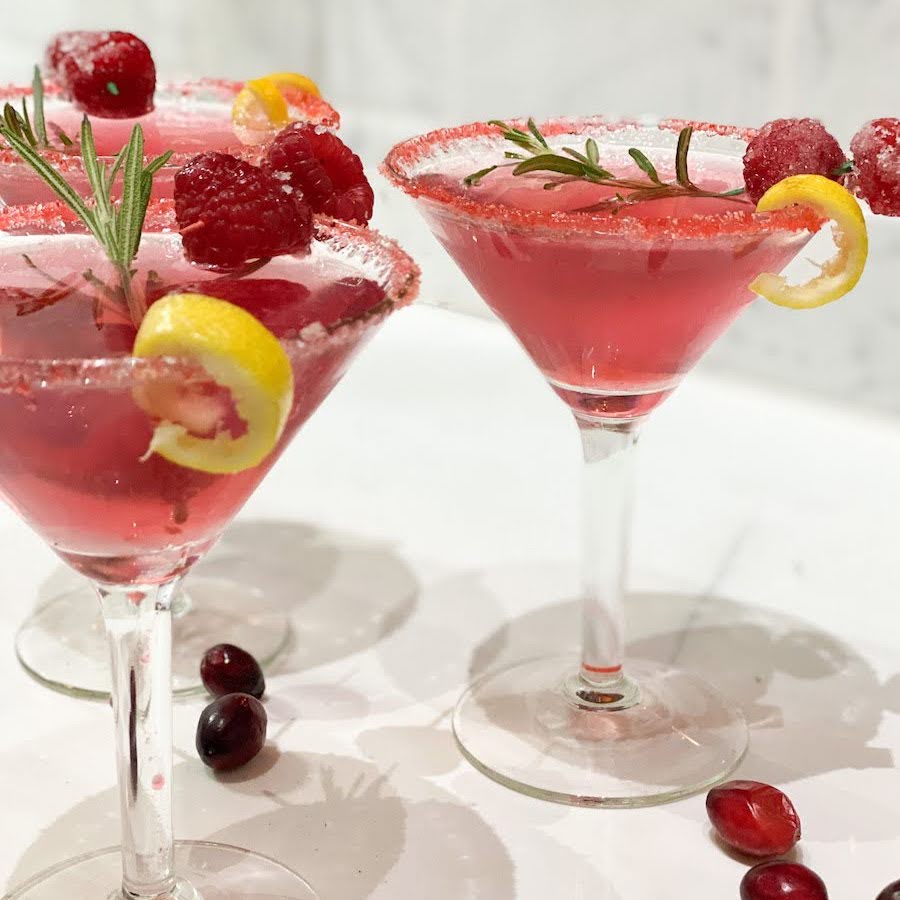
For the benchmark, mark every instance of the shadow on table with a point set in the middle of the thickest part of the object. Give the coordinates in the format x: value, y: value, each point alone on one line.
x: 813, y: 703
x: 336, y: 820
x: 342, y: 593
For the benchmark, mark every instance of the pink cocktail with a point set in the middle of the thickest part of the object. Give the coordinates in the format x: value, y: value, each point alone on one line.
x: 614, y: 296
x: 74, y: 437
x: 188, y: 118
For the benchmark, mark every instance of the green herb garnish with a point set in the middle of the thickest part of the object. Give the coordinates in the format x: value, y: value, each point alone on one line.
x: 117, y: 226
x: 576, y: 165
x: 20, y: 123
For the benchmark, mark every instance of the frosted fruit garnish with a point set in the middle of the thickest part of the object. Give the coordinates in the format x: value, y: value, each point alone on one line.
x: 843, y: 270
x: 267, y: 104
x: 876, y: 153
x: 241, y: 355
x: 785, y: 147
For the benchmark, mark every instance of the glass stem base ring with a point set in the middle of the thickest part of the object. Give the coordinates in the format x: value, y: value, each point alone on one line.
x: 63, y: 643
x: 206, y: 871
x: 523, y: 727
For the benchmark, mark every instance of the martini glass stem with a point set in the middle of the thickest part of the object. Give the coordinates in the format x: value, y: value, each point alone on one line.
x: 609, y: 451
x: 139, y: 629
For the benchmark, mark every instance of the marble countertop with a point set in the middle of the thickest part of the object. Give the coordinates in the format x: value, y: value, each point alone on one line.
x: 423, y: 529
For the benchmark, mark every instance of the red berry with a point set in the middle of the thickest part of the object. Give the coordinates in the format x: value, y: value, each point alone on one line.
x: 753, y: 817
x: 230, y: 212
x: 231, y: 731
x: 790, y: 147
x: 780, y: 880
x: 876, y: 152
x: 324, y: 168
x: 106, y: 73
x: 891, y: 892
x: 347, y: 299
x: 226, y: 669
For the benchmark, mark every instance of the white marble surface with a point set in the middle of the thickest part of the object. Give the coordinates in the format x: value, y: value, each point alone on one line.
x: 397, y: 67
x: 426, y: 520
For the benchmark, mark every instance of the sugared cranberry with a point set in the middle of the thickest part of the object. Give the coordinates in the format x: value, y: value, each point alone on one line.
x: 231, y: 731
x: 321, y: 166
x: 787, y: 147
x: 753, y: 817
x: 226, y: 669
x: 106, y: 73
x: 229, y: 212
x: 780, y: 880
x: 876, y: 153
x: 891, y: 892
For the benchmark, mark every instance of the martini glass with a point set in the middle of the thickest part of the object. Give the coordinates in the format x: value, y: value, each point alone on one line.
x: 71, y: 441
x: 614, y: 305
x: 63, y: 643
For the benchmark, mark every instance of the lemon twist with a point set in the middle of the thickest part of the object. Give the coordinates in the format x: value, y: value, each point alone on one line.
x: 842, y: 271
x: 240, y: 354
x: 263, y: 103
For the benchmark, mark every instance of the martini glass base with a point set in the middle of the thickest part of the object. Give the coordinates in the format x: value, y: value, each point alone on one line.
x: 206, y: 871
x: 63, y: 643
x: 523, y: 726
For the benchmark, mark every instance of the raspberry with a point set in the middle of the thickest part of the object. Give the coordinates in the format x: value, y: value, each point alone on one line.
x: 347, y: 299
x: 325, y: 169
x: 279, y: 304
x: 230, y: 212
x: 106, y: 73
x: 876, y: 152
x: 786, y: 147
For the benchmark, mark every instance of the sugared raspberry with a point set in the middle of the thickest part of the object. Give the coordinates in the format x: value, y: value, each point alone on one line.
x: 324, y: 168
x: 787, y: 147
x: 230, y: 212
x: 876, y: 152
x: 106, y: 73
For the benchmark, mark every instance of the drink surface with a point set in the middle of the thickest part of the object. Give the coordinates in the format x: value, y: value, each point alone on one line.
x: 186, y: 121
x: 613, y: 314
x: 72, y: 437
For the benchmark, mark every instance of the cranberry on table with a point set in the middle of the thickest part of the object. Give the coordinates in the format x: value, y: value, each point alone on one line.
x: 891, y: 892
x: 231, y: 731
x: 227, y: 669
x: 781, y: 880
x: 754, y: 818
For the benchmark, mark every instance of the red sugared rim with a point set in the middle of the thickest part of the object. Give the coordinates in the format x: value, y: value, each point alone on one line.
x: 399, y: 278
x: 401, y: 164
x: 212, y: 92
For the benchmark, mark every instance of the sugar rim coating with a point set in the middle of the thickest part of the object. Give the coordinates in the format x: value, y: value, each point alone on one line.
x: 210, y: 92
x: 401, y: 163
x: 355, y: 244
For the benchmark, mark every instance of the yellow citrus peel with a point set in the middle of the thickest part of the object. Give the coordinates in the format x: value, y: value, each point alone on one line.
x: 241, y: 355
x: 264, y: 103
x: 843, y: 270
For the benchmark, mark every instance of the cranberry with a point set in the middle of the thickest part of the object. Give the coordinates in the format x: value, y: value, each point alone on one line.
x: 891, y: 892
x: 226, y: 669
x: 781, y: 880
x: 753, y: 817
x: 231, y: 731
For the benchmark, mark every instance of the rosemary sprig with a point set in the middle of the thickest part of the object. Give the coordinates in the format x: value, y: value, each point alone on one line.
x: 21, y: 122
x: 116, y: 226
x: 576, y: 165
